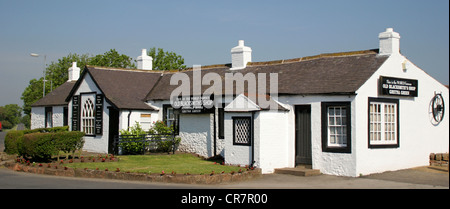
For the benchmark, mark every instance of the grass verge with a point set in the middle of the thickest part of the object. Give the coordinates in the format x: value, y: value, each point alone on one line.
x: 178, y: 163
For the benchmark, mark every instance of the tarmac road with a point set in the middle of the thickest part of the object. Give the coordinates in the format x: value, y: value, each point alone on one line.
x: 405, y: 179
x: 423, y: 178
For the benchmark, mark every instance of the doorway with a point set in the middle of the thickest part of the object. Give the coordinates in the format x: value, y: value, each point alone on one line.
x: 303, y: 153
x: 113, y: 128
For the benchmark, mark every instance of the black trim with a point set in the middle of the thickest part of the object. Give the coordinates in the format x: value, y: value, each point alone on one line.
x: 176, y: 125
x: 384, y: 100
x: 250, y: 140
x: 325, y: 147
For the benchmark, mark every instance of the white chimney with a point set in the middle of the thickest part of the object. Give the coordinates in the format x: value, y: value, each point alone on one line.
x: 144, y: 62
x: 74, y: 72
x: 389, y: 42
x: 240, y: 56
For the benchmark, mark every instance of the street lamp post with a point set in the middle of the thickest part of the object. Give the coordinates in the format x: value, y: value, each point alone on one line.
x: 45, y: 59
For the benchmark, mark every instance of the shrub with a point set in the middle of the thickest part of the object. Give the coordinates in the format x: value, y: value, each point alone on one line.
x: 41, y: 146
x: 12, y: 142
x: 129, y: 137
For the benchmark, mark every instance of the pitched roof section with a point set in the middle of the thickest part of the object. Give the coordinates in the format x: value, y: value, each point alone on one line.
x: 123, y: 88
x: 335, y: 73
x: 57, y: 97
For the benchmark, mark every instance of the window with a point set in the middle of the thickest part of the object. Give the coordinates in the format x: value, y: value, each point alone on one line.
x: 88, y: 115
x: 171, y: 117
x: 336, y: 133
x: 242, y: 127
x: 221, y: 120
x: 383, y: 123
x: 146, y: 121
x: 48, y: 117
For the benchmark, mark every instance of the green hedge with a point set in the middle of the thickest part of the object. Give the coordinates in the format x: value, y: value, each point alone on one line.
x: 41, y: 144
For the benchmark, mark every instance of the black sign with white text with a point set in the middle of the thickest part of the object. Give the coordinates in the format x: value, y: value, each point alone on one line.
x: 194, y: 104
x: 398, y: 86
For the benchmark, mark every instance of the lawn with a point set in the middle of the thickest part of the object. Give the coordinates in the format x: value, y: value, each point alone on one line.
x: 178, y: 163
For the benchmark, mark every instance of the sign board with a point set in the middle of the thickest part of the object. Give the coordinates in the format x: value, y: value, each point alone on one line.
x: 398, y: 86
x: 194, y: 104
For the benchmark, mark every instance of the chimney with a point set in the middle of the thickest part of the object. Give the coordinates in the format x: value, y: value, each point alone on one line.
x: 74, y: 72
x: 389, y: 42
x: 240, y: 56
x: 144, y: 62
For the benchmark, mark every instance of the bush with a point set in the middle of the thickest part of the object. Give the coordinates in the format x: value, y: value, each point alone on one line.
x: 136, y: 133
x: 41, y: 144
x: 13, y: 140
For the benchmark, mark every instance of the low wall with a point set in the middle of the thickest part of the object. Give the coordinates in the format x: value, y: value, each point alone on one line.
x: 166, y: 178
x: 439, y: 159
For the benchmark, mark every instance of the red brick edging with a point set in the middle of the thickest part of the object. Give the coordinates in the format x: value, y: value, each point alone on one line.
x: 166, y: 178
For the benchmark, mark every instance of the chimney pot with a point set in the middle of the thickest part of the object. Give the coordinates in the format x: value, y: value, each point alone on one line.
x: 144, y: 62
x: 240, y: 56
x: 389, y: 42
x: 74, y: 72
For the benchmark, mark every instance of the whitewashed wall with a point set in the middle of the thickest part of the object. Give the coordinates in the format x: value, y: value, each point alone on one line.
x: 98, y: 143
x: 341, y: 164
x: 418, y: 136
x: 37, y: 117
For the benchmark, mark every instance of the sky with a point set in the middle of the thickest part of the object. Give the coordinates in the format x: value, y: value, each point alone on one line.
x: 203, y: 32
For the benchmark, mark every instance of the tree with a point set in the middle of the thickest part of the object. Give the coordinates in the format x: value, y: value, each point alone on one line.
x: 10, y: 115
x: 164, y: 60
x: 57, y: 73
x: 112, y: 59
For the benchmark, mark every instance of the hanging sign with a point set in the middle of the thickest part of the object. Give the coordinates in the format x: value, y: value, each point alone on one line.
x: 194, y: 104
x: 398, y: 86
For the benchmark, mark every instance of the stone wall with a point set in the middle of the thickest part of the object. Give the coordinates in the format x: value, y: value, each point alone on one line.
x: 439, y: 159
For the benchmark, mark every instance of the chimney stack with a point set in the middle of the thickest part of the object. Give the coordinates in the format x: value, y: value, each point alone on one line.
x: 144, y: 62
x: 389, y: 42
x: 74, y: 72
x: 240, y: 56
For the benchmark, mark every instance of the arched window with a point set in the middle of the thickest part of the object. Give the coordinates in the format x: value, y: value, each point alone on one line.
x: 88, y: 117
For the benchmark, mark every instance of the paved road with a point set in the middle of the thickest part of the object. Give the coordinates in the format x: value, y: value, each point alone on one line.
x: 406, y: 179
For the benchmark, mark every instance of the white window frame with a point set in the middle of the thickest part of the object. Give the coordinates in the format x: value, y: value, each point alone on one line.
x: 337, y: 126
x: 383, y: 123
x: 88, y: 114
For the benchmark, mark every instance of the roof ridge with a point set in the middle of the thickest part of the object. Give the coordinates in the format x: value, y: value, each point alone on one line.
x: 307, y: 58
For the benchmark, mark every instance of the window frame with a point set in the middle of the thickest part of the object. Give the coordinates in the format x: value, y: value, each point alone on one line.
x: 48, y: 117
x: 383, y: 143
x: 176, y: 114
x: 250, y: 138
x: 85, y: 97
x: 326, y: 146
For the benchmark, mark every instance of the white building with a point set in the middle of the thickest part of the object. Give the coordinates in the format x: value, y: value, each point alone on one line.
x: 347, y: 113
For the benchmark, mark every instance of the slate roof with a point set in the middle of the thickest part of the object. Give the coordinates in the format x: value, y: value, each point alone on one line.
x: 334, y: 73
x: 57, y: 97
x: 123, y: 88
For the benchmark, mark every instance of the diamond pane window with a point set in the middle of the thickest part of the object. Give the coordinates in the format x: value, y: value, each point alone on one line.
x: 242, y: 130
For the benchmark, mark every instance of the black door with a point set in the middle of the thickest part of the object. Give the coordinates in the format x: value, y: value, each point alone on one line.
x: 303, y: 135
x: 113, y: 128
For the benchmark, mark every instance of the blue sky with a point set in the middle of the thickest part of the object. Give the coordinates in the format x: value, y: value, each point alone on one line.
x: 203, y: 32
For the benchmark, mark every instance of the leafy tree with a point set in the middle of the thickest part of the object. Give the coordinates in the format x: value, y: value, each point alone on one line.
x: 32, y: 93
x: 112, y: 59
x: 57, y: 73
x: 164, y: 60
x: 10, y: 115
